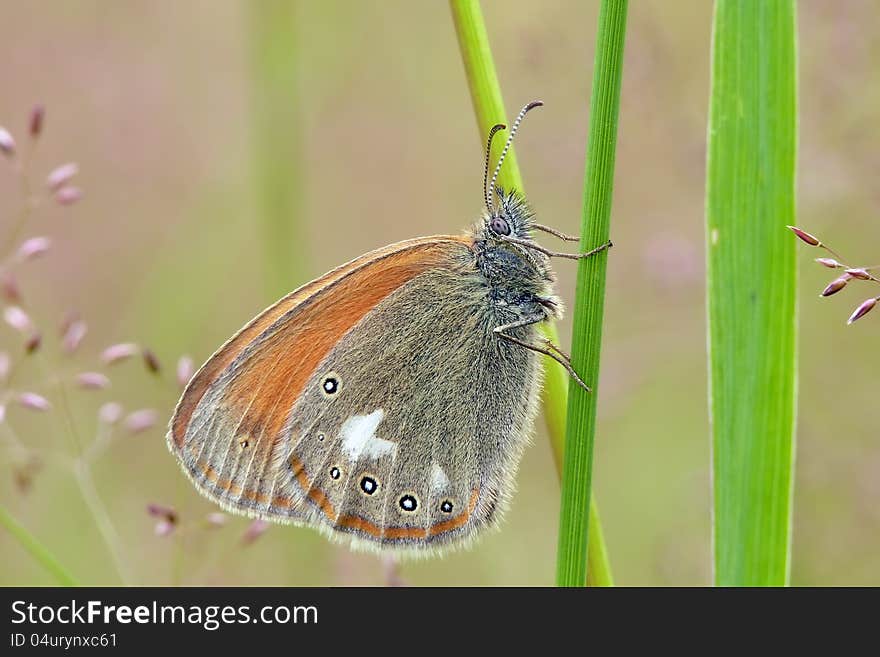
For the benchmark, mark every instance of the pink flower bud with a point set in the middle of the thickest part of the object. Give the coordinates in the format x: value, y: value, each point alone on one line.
x: 61, y: 175
x: 69, y: 318
x: 92, y: 380
x: 805, y: 236
x: 33, y: 401
x: 163, y: 528
x: 862, y: 310
x: 17, y: 319
x: 162, y: 511
x: 68, y: 195
x: 73, y: 335
x: 2, y: 412
x: 7, y: 143
x: 185, y: 370
x: 35, y: 124
x: 861, y: 274
x: 836, y: 285
x: 831, y: 263
x: 117, y: 352
x: 216, y: 519
x: 34, y: 247
x: 167, y: 518
x: 5, y: 365
x: 256, y: 529
x: 11, y: 291
x: 141, y: 420
x: 110, y: 413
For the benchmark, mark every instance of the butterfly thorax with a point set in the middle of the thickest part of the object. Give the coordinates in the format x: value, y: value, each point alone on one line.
x: 517, y: 276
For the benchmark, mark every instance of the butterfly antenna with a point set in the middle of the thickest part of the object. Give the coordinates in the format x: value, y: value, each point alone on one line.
x: 525, y: 110
x: 486, y: 194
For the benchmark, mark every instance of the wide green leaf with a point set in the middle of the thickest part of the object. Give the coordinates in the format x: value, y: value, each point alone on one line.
x: 750, y: 198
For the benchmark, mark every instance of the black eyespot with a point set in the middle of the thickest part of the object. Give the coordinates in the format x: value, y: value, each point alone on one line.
x: 408, y: 503
x: 330, y: 385
x: 499, y: 226
x: 369, y: 485
x: 446, y: 506
x: 334, y: 473
x: 321, y: 437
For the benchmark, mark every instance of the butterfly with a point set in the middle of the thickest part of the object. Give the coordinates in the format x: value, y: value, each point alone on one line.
x: 388, y: 402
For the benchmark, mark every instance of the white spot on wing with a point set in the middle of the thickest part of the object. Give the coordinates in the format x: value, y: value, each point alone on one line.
x: 359, y: 436
x: 439, y: 480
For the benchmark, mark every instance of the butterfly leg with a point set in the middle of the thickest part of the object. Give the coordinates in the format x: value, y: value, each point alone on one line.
x: 558, y: 233
x: 559, y: 351
x: 556, y: 254
x: 602, y: 247
x: 552, y: 351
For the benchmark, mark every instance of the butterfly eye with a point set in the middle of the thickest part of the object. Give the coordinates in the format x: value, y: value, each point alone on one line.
x: 446, y: 506
x: 408, y: 503
x: 499, y: 226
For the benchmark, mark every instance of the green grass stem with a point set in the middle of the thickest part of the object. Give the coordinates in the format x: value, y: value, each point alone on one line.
x: 37, y: 550
x: 489, y: 108
x: 574, y: 522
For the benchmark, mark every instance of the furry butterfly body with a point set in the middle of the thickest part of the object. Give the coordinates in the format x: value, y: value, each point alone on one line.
x: 379, y: 403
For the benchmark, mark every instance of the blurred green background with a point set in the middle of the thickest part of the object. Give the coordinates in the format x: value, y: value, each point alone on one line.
x: 188, y: 152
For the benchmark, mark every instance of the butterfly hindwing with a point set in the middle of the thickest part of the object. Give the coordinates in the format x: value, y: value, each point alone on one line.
x: 426, y: 423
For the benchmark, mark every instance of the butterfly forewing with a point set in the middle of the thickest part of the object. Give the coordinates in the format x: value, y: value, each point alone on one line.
x: 230, y: 420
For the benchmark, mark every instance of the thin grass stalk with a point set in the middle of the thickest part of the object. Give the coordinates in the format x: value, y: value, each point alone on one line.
x: 750, y: 198
x: 574, y: 523
x: 275, y: 102
x: 36, y: 549
x: 489, y: 109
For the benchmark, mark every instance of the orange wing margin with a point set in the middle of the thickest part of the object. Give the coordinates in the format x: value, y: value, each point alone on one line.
x: 307, y: 323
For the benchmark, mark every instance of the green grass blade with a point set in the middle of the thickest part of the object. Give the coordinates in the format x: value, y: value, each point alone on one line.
x: 489, y: 108
x: 574, y: 522
x: 750, y: 198
x: 275, y: 102
x: 36, y: 549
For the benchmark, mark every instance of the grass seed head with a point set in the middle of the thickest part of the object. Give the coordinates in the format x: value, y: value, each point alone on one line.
x: 836, y: 285
x: 7, y: 143
x: 36, y: 119
x: 865, y: 307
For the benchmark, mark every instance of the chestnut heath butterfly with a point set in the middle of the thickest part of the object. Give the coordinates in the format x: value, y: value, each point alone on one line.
x: 386, y: 403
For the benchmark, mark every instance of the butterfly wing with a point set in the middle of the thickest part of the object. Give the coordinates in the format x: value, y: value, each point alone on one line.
x: 374, y: 403
x: 227, y: 426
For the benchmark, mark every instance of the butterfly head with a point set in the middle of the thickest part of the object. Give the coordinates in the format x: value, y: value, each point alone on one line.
x: 510, y: 218
x: 505, y: 248
x: 503, y: 235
